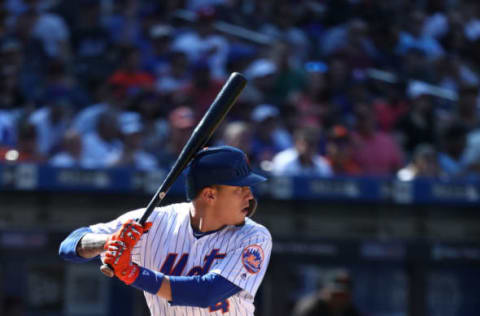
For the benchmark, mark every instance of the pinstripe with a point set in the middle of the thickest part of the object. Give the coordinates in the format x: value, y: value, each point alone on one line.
x: 155, y: 238
x: 229, y: 260
x: 155, y: 213
x: 165, y: 310
x: 170, y: 229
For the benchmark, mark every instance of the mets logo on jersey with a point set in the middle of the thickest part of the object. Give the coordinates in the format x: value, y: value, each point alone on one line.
x: 252, y: 258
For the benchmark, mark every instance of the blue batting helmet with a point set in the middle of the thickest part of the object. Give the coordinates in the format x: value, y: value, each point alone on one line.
x: 219, y: 165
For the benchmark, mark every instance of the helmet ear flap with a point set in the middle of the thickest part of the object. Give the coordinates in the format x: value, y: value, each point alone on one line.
x: 252, y: 207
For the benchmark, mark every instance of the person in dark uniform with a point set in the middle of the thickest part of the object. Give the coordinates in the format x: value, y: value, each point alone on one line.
x: 334, y: 299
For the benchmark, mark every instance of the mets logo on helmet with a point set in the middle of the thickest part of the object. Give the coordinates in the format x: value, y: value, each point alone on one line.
x: 252, y: 258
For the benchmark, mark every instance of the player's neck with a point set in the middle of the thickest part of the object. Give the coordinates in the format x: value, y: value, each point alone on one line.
x: 201, y: 221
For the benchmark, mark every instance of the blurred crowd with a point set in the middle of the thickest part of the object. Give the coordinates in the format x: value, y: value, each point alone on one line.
x: 336, y: 87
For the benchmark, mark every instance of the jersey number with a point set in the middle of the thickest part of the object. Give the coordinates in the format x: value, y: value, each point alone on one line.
x: 223, y: 305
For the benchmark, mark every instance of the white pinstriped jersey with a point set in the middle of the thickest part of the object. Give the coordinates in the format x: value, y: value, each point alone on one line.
x: 239, y: 254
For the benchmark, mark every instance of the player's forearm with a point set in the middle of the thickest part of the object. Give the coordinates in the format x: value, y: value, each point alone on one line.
x: 91, y: 245
x: 165, y: 291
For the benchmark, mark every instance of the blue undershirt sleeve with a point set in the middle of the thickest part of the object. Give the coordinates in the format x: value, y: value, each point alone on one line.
x: 201, y: 291
x: 68, y: 247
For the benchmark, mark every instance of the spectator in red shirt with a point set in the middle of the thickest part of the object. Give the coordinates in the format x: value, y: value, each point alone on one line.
x: 130, y: 76
x: 376, y: 152
x: 390, y: 106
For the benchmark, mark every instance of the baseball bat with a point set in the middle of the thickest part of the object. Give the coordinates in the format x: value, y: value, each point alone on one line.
x: 217, y: 111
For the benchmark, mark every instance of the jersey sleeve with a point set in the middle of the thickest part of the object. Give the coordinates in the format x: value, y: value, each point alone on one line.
x: 114, y: 225
x: 245, y: 264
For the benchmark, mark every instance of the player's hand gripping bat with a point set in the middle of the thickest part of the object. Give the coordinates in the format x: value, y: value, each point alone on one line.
x: 199, y: 138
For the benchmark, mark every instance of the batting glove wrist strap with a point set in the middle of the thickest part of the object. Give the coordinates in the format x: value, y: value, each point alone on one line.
x: 148, y: 280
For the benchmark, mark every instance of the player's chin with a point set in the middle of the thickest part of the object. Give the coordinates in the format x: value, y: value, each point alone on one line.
x: 240, y: 223
x: 241, y: 218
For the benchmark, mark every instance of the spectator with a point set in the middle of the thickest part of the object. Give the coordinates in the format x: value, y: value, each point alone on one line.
x: 238, y: 134
x: 263, y: 75
x: 453, y: 143
x: 269, y: 136
x: 60, y: 84
x: 351, y: 40
x: 51, y: 30
x: 376, y: 152
x: 132, y: 154
x: 339, y: 152
x: 26, y: 148
x: 153, y: 119
x: 284, y: 26
x: 303, y: 158
x: 101, y: 143
x: 418, y: 125
x: 203, y: 44
x: 70, y: 154
x: 202, y: 90
x: 389, y: 105
x: 156, y: 59
x: 311, y: 105
x: 130, y: 76
x: 113, y: 97
x: 175, y: 76
x: 55, y: 35
x: 424, y: 164
x: 123, y: 23
x: 51, y: 122
x: 35, y: 65
x: 334, y: 299
x: 290, y: 77
x: 181, y: 122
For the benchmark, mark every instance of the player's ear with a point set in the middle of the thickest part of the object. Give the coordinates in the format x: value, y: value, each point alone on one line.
x: 208, y: 194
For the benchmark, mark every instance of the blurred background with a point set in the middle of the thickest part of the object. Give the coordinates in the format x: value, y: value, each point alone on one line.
x: 364, y: 114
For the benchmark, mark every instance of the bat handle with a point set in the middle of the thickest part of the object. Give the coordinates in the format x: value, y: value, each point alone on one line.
x: 107, y: 270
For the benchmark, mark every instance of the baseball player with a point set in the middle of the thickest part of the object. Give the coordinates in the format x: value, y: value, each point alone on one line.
x: 202, y: 257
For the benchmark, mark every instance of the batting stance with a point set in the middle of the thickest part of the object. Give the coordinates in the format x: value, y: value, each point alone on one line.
x: 201, y: 257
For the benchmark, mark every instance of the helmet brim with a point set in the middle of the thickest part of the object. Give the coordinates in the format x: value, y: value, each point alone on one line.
x: 249, y: 180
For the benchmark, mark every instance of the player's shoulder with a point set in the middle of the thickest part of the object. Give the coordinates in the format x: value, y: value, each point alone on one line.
x: 175, y: 210
x: 254, y: 229
x: 159, y: 213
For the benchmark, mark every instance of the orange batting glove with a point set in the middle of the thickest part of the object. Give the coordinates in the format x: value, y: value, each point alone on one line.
x: 119, y: 257
x: 129, y: 233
